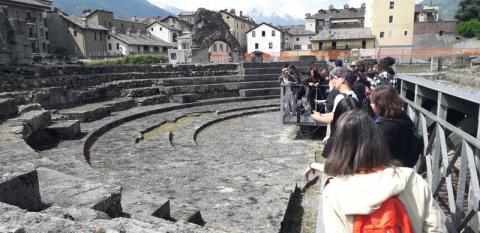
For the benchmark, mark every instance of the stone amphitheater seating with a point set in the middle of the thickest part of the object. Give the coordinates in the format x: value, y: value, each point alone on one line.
x: 54, y: 100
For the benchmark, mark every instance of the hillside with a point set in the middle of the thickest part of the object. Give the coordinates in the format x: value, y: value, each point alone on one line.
x: 127, y: 9
x: 448, y: 8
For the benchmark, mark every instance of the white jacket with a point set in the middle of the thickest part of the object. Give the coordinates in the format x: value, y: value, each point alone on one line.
x: 345, y: 197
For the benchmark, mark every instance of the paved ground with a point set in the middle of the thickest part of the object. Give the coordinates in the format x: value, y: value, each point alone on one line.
x: 239, y: 176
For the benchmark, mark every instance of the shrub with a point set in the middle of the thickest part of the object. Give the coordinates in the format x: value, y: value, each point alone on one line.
x: 469, y: 28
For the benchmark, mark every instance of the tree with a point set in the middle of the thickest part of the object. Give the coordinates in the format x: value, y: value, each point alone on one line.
x: 468, y: 9
x: 469, y: 28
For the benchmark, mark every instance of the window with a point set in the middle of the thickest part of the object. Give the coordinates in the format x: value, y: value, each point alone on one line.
x: 173, y: 56
x: 74, y: 33
x: 42, y: 32
x: 256, y: 45
x: 297, y: 47
x: 297, y: 39
x: 121, y: 25
x: 320, y: 45
x: 263, y: 33
x: 382, y: 34
x: 364, y: 44
x: 17, y: 13
x: 390, y: 19
x: 161, y: 28
x: 214, y: 47
x: 94, y: 35
x: 109, y: 24
x: 44, y: 47
x: 392, y: 5
x: 253, y: 33
x: 46, y: 35
x: 108, y: 37
x: 270, y: 45
x: 151, y: 29
x: 221, y: 48
x: 440, y: 33
x: 109, y: 46
x: 30, y: 32
x: 286, y: 38
x: 34, y: 48
x: 174, y: 37
x: 405, y: 33
x: 334, y: 45
x: 45, y: 22
x: 309, y: 46
x: 118, y: 46
x: 273, y: 32
x: 133, y: 27
x: 101, y: 36
x: 39, y: 16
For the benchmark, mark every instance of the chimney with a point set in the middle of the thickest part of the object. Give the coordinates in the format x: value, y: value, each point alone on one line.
x: 331, y: 7
x: 134, y: 19
x: 307, y: 15
x: 346, y: 6
x: 363, y: 5
x: 114, y: 30
x: 232, y: 11
x: 241, y: 13
x: 86, y: 12
x: 129, y: 31
x: 85, y: 21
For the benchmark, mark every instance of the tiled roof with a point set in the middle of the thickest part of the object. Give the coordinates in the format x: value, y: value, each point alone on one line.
x: 81, y: 23
x: 339, y: 13
x: 140, y: 39
x: 166, y: 25
x: 177, y: 18
x: 296, y: 30
x: 343, y: 34
x: 31, y: 2
x: 187, y: 13
x: 418, y: 7
x: 186, y: 36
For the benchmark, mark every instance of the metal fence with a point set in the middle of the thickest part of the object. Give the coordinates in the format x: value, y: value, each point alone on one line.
x: 447, y: 117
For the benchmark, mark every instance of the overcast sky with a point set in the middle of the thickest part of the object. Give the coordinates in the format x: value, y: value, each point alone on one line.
x: 294, y: 8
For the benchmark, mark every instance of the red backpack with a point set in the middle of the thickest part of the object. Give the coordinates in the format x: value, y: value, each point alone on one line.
x: 391, y: 217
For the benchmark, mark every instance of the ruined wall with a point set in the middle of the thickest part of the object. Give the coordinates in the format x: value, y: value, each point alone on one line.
x: 5, y: 58
x: 434, y: 41
x: 447, y: 27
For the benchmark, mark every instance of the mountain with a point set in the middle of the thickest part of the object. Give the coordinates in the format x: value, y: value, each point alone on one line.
x: 125, y: 9
x: 166, y: 7
x: 448, y: 8
x: 273, y: 19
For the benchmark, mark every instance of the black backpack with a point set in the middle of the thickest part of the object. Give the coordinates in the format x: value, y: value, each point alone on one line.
x: 415, y: 147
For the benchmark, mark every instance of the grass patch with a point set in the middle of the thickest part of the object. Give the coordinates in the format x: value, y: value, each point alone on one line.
x: 174, y: 126
x: 131, y: 59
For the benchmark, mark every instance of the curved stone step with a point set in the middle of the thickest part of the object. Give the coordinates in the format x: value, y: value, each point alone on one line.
x: 229, y: 89
x: 152, y: 100
x: 274, y: 91
x: 140, y: 92
x: 183, y: 81
x: 27, y: 124
x: 63, y: 190
x: 95, y: 111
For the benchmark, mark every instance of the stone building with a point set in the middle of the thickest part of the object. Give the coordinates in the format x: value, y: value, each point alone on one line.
x: 343, y: 39
x: 24, y: 35
x: 107, y: 20
x: 75, y: 36
x: 424, y: 13
x: 165, y: 32
x: 239, y: 25
x: 119, y: 44
x: 296, y: 37
x: 188, y: 16
x: 266, y: 38
x: 348, y: 17
x: 179, y: 23
x: 391, y: 21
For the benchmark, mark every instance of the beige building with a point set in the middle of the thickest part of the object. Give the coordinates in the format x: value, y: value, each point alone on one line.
x: 391, y: 21
x: 24, y: 35
x: 76, y: 36
x: 424, y: 13
x: 343, y: 39
x: 239, y: 25
x: 106, y: 19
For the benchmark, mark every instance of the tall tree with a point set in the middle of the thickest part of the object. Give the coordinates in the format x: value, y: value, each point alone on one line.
x: 468, y: 9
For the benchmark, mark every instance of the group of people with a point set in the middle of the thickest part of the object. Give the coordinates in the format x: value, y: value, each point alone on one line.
x: 368, y: 154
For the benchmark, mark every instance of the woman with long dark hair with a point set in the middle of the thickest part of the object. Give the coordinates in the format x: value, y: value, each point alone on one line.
x: 363, y: 178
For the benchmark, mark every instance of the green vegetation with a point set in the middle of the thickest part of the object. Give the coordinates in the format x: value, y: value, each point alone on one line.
x: 131, y: 59
x: 467, y: 10
x: 469, y: 28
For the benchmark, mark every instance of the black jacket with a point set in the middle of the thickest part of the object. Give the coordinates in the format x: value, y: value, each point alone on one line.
x: 398, y: 132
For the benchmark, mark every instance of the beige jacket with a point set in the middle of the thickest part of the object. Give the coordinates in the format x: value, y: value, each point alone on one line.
x: 344, y: 197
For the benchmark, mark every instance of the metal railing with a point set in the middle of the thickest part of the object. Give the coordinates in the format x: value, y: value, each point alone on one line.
x: 448, y: 119
x: 452, y: 146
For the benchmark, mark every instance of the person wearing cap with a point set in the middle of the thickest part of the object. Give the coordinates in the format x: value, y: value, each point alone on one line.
x: 353, y: 65
x: 343, y: 81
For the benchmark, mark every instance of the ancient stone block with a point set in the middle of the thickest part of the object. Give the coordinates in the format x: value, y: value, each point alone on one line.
x: 140, y: 92
x: 185, y: 98
x: 184, y: 213
x: 8, y: 108
x: 137, y: 203
x: 151, y: 100
x: 260, y: 92
x: 87, y: 113
x: 63, y: 190
x: 65, y: 129
x: 19, y: 186
x: 28, y: 123
x: 22, y: 109
x: 76, y: 214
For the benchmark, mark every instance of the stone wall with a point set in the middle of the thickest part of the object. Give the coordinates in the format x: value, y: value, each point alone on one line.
x: 434, y: 41
x: 447, y: 27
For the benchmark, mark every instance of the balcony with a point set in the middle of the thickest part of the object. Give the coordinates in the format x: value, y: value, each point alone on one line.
x: 31, y: 20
